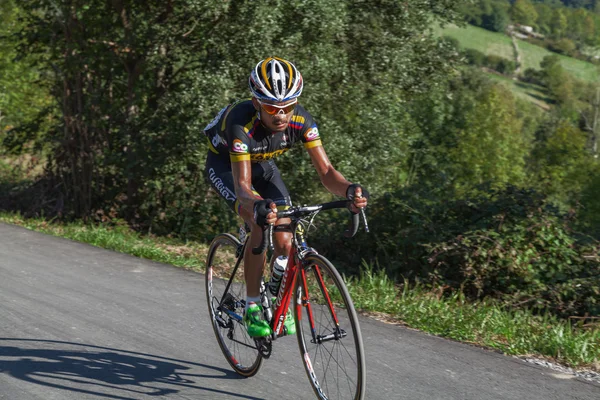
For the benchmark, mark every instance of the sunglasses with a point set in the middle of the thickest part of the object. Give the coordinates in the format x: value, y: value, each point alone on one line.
x: 272, y: 109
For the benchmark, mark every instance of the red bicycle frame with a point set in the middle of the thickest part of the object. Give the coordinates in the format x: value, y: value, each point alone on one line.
x: 284, y: 296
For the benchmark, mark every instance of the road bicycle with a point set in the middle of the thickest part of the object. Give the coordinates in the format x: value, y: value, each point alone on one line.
x: 327, y: 325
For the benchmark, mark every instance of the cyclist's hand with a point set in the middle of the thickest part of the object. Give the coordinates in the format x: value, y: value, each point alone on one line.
x: 358, y: 195
x: 265, y: 212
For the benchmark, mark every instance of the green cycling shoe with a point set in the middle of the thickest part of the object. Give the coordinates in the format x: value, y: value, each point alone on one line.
x: 254, y: 322
x: 289, y: 323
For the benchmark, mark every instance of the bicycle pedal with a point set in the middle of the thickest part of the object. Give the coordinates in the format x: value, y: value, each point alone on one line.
x: 264, y: 347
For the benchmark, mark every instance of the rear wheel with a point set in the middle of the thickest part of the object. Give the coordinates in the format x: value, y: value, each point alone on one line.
x: 328, y: 332
x: 226, y: 294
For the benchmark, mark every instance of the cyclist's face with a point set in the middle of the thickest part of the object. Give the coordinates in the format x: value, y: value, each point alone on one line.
x: 275, y: 122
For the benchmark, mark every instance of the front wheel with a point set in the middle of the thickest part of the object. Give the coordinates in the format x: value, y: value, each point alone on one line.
x: 225, y: 295
x: 328, y: 332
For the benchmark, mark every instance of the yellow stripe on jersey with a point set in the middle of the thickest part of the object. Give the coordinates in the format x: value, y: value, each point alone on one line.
x: 297, y: 118
x: 249, y: 125
x: 211, y: 147
x: 282, y: 208
x: 239, y: 157
x: 224, y: 117
x: 314, y: 143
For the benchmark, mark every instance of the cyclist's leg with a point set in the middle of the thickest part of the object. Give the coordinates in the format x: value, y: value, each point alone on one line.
x: 220, y: 176
x: 271, y: 186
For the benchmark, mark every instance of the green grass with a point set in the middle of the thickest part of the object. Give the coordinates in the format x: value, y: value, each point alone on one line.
x: 472, y: 37
x: 533, y: 56
x: 485, y: 324
x: 120, y: 238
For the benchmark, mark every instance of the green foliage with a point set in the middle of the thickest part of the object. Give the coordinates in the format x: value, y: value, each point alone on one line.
x: 506, y: 244
x: 136, y: 83
x: 523, y: 12
x: 563, y: 46
x: 22, y: 93
x: 557, y: 80
x: 562, y: 165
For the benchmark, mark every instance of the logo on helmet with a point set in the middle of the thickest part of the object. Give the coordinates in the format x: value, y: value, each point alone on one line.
x: 239, y: 147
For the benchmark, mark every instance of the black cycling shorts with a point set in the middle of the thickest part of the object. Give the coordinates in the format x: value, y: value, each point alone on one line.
x: 266, y: 181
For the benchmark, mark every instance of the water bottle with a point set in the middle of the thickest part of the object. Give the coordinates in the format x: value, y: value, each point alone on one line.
x: 279, y: 267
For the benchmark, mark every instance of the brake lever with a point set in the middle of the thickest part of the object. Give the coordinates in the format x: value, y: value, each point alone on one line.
x: 364, y: 218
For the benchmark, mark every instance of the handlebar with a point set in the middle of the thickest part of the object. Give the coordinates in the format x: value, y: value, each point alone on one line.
x: 299, y: 212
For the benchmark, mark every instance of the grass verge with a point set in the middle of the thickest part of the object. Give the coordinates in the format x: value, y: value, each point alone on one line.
x: 484, y: 323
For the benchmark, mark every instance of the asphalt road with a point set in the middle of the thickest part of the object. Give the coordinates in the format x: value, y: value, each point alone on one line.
x: 79, y: 322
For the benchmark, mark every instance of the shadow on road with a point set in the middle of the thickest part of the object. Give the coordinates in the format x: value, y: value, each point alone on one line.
x: 111, y: 373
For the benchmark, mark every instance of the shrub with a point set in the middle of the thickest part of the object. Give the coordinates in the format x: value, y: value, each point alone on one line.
x: 474, y: 57
x: 563, y: 46
x: 533, y: 76
x: 505, y: 244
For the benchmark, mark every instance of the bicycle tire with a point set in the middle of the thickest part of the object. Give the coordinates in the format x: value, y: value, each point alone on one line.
x: 238, y: 348
x: 330, y: 377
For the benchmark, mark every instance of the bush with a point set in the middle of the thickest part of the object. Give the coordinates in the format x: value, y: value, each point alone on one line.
x: 450, y: 41
x: 505, y: 244
x: 563, y: 46
x: 474, y: 57
x: 533, y: 76
x: 499, y: 64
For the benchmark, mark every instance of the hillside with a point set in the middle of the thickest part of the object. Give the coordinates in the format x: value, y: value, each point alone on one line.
x: 500, y: 44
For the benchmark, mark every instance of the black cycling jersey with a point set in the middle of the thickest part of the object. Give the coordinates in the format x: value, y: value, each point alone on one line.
x: 237, y: 133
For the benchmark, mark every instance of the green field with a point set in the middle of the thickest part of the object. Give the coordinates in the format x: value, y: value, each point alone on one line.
x: 499, y: 44
x: 472, y: 37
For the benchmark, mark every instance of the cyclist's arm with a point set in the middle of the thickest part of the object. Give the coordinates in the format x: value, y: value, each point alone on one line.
x: 242, y: 181
x: 333, y: 180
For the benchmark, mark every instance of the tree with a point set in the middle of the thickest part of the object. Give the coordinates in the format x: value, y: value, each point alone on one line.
x: 560, y: 25
x: 591, y: 119
x: 22, y: 95
x: 545, y: 18
x: 497, y: 19
x: 523, y: 12
x: 489, y: 146
x: 561, y: 164
x: 136, y: 82
x: 471, y: 134
x: 557, y: 80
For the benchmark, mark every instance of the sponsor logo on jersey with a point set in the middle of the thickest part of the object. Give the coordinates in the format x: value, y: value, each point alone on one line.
x: 220, y: 186
x: 267, y: 156
x: 239, y: 146
x: 215, y: 141
x: 312, y: 134
x: 216, y: 119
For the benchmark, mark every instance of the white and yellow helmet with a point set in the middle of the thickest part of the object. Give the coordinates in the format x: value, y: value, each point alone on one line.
x: 276, y: 80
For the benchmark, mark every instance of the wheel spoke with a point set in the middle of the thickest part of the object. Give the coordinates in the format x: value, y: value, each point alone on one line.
x: 225, y: 290
x: 335, y: 366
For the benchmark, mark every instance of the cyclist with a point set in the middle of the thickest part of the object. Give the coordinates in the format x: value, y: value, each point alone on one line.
x: 244, y: 138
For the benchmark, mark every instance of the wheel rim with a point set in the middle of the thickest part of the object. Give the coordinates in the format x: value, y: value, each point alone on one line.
x: 238, y: 348
x: 334, y: 361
